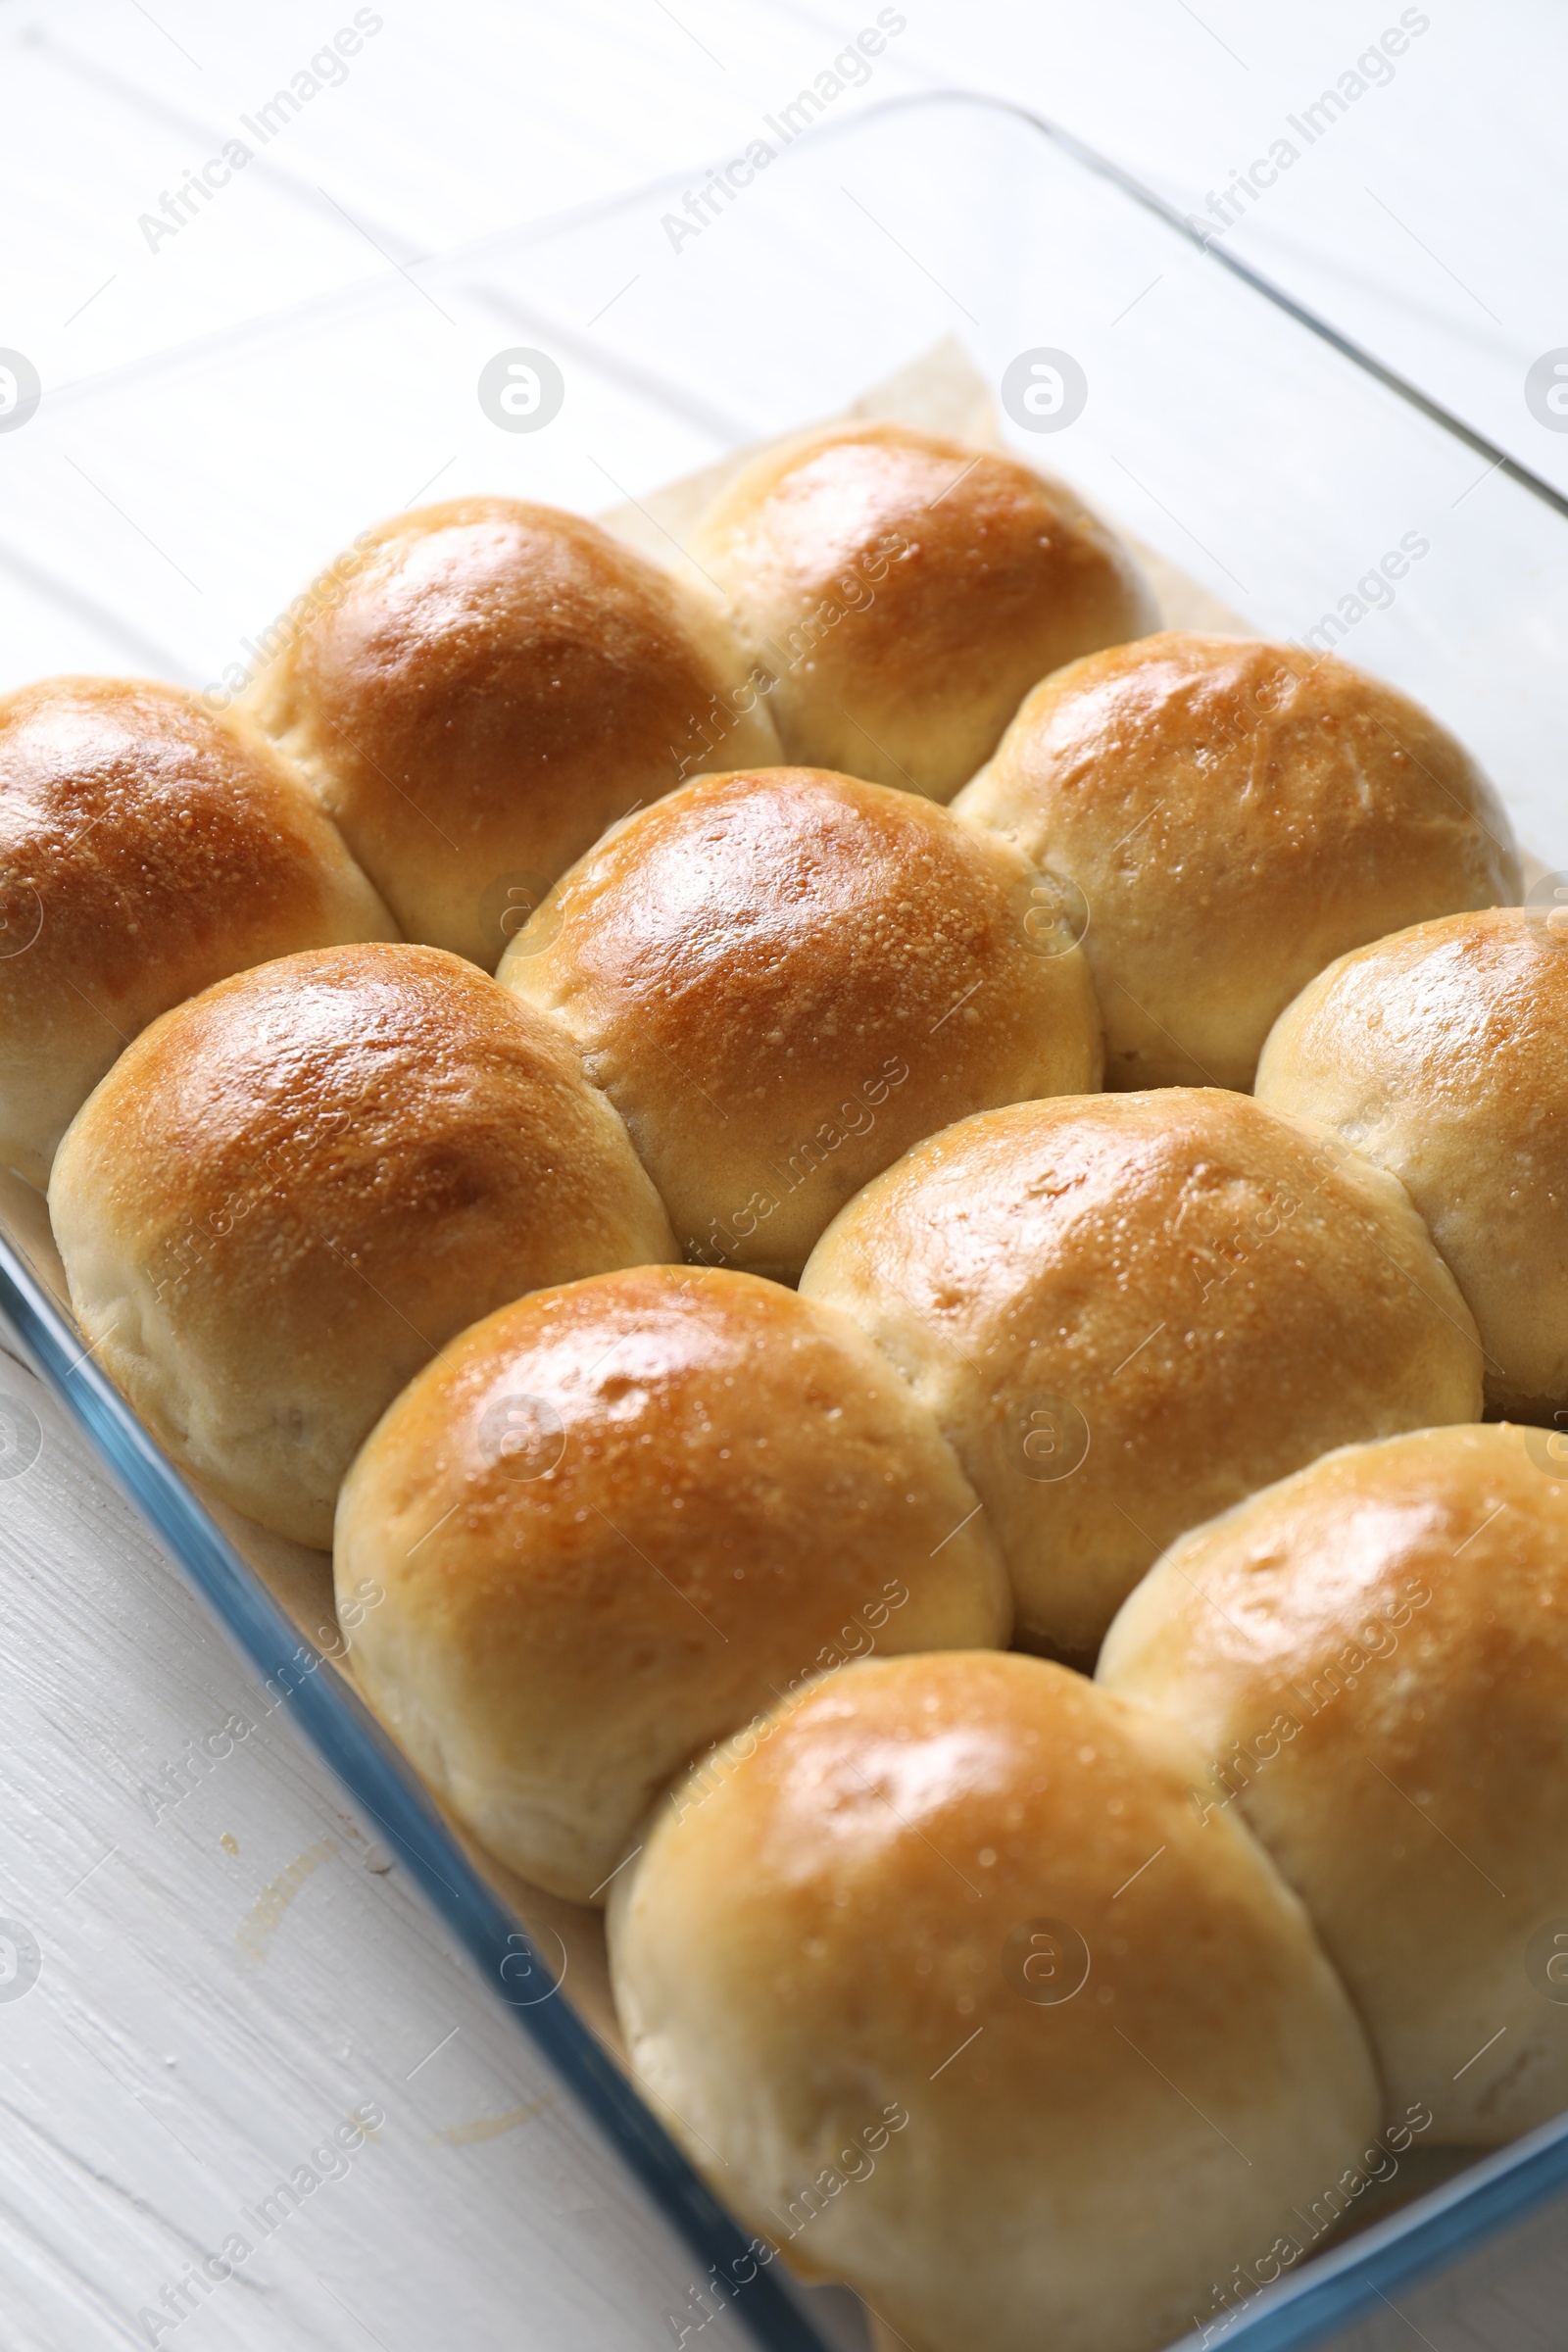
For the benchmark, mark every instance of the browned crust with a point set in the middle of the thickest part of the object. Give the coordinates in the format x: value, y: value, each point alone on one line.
x: 491, y: 685
x: 783, y: 978
x: 907, y: 590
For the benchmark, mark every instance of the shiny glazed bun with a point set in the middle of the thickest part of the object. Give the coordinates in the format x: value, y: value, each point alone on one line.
x: 481, y: 687
x: 783, y: 979
x: 1235, y: 815
x: 293, y: 1190
x: 1128, y: 1312
x: 614, y: 1522
x: 905, y: 591
x: 146, y: 848
x: 943, y: 1984
x: 1442, y: 1055
x: 1374, y: 1654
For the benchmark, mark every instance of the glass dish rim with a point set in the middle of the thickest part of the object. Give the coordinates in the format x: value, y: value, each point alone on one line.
x: 1336, y: 2288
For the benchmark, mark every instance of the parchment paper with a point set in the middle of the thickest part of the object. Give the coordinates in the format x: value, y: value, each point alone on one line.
x: 942, y: 392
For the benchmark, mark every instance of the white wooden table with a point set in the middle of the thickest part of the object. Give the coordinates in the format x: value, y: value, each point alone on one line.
x: 206, y: 1970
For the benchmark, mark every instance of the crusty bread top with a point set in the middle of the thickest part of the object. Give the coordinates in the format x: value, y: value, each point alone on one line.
x: 148, y: 849
x: 291, y: 1191
x: 907, y: 590
x: 1373, y: 1655
x: 615, y: 1519
x: 1442, y: 1053
x: 489, y: 686
x: 970, y: 1896
x: 783, y: 977
x: 1129, y: 1310
x: 1236, y: 815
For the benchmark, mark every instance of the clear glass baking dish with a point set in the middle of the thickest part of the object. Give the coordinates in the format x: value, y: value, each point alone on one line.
x: 158, y: 518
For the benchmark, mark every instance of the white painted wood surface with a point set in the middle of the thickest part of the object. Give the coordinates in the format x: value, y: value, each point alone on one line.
x: 225, y: 1970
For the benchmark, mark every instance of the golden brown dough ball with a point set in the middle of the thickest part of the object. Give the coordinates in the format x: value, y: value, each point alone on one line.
x: 613, y: 1522
x: 1442, y: 1055
x: 1235, y: 815
x: 948, y: 1989
x: 292, y: 1191
x: 782, y: 979
x: 1374, y: 1655
x: 147, y: 848
x: 905, y: 590
x: 1127, y: 1313
x: 480, y: 688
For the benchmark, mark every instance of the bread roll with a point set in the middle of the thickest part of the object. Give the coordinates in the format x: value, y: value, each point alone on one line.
x: 1130, y: 1312
x: 783, y: 979
x: 146, y: 850
x: 1374, y: 1654
x: 615, y: 1521
x: 480, y: 688
x: 905, y: 591
x: 941, y: 1982
x: 1442, y: 1055
x: 1235, y: 815
x: 291, y: 1192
